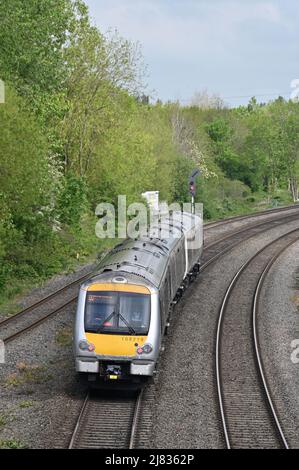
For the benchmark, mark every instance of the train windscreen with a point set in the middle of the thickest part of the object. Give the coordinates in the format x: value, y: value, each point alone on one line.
x: 117, y: 312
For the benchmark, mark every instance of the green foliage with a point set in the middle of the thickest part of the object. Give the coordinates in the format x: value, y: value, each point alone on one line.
x: 32, y: 39
x: 182, y: 170
x: 74, y: 133
x: 222, y: 197
x: 72, y: 201
x: 25, y: 187
x: 26, y: 403
x: 12, y: 444
x: 24, y: 166
x: 64, y: 336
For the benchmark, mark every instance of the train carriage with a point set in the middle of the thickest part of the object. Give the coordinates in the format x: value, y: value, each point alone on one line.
x: 123, y: 310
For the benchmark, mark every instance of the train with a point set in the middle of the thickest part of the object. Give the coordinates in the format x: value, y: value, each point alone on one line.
x: 124, y: 309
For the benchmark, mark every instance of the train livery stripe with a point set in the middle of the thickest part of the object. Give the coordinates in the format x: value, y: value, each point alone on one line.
x: 119, y: 288
x: 115, y: 345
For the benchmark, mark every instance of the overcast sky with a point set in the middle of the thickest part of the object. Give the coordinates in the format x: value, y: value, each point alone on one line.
x: 236, y: 48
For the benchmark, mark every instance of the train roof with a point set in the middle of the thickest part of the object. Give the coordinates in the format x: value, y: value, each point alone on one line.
x: 147, y: 257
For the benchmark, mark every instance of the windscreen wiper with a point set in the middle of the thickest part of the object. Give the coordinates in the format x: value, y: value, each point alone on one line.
x: 104, y: 321
x: 130, y: 328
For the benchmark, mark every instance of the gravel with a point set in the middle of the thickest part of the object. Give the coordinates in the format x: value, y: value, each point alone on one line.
x: 278, y: 326
x: 186, y: 412
x: 39, y: 386
x: 213, y: 233
x: 40, y: 396
x: 54, y: 284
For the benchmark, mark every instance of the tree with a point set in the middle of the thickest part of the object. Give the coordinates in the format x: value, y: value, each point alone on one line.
x: 204, y: 100
x: 285, y: 119
x: 33, y: 37
x: 102, y: 71
x: 27, y: 189
x: 24, y: 174
x: 184, y: 138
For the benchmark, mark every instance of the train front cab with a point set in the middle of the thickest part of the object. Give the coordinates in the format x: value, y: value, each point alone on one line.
x: 117, y: 332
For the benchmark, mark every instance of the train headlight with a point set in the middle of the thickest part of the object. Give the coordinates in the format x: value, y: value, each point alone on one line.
x: 86, y: 346
x: 146, y: 349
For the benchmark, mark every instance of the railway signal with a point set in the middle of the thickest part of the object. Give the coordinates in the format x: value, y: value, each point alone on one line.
x: 192, y: 187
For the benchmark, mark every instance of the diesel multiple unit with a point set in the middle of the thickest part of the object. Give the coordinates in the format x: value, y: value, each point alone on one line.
x: 123, y: 310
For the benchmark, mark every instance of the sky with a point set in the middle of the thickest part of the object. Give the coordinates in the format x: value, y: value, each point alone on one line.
x: 234, y: 48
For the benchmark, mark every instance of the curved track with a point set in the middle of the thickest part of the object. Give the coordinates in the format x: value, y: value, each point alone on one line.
x: 33, y: 316
x: 223, y: 245
x: 94, y: 417
x: 247, y: 409
x: 108, y: 422
x: 253, y: 215
x: 65, y: 288
x: 44, y: 300
x: 39, y: 312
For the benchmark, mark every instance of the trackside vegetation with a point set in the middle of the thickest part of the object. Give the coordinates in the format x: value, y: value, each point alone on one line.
x: 77, y: 130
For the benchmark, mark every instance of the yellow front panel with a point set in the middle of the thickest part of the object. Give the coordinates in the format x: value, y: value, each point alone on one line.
x: 119, y: 288
x: 115, y: 345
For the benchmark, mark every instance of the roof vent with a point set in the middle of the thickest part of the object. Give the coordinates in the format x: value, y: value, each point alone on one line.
x: 120, y: 280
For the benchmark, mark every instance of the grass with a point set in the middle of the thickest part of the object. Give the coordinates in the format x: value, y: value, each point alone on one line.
x: 6, y: 418
x: 27, y: 374
x: 15, y: 288
x: 257, y: 202
x: 3, y: 420
x: 86, y: 245
x: 216, y: 208
x: 295, y: 300
x: 64, y: 336
x: 12, y: 444
x: 26, y: 403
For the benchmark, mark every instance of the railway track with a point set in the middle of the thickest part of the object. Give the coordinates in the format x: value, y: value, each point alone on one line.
x: 31, y: 317
x: 97, y: 425
x: 95, y: 417
x: 34, y: 315
x: 221, y: 246
x: 109, y: 423
x: 248, y: 415
x: 219, y: 223
x: 208, y: 226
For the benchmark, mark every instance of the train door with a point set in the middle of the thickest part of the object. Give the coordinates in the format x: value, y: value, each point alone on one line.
x: 165, y: 299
